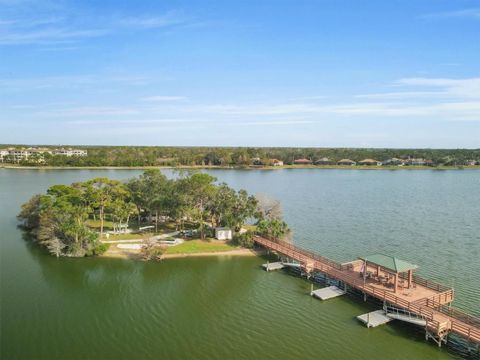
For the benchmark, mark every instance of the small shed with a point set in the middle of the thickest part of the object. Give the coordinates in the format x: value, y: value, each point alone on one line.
x: 223, y: 233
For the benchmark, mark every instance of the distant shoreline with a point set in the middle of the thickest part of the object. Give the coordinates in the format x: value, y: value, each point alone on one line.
x: 206, y: 167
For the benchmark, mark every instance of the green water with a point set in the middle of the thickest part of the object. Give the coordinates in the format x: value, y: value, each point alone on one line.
x: 227, y: 308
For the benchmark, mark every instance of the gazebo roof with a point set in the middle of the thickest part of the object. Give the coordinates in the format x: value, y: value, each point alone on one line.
x: 390, y: 262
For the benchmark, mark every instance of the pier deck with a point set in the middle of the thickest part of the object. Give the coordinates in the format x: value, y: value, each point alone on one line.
x: 424, y: 298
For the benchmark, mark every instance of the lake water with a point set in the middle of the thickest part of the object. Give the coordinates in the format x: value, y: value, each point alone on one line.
x: 228, y: 308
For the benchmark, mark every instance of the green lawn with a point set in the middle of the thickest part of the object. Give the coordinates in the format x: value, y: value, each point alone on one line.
x: 95, y: 224
x: 197, y: 246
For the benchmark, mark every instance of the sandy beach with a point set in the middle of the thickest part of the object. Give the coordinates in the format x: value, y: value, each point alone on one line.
x: 134, y: 254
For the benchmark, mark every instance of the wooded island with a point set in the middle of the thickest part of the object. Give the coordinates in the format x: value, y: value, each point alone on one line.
x: 83, y: 218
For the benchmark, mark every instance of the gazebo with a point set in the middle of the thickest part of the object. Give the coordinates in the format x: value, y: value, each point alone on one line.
x: 390, y: 265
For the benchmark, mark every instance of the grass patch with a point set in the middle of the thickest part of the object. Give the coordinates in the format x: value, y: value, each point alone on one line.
x: 95, y: 224
x: 198, y: 246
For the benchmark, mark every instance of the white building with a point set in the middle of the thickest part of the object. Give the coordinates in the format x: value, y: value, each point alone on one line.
x: 70, y: 152
x: 3, y: 155
x: 222, y: 233
x: 17, y: 155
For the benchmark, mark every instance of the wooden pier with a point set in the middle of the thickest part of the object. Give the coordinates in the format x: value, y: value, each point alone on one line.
x: 422, y: 298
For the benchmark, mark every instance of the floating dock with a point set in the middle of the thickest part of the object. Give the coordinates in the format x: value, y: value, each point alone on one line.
x: 327, y: 293
x: 273, y: 266
x: 374, y: 318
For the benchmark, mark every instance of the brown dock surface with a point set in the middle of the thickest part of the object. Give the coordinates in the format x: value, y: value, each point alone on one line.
x: 424, y: 298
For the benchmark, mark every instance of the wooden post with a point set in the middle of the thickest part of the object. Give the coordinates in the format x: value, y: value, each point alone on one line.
x: 395, y: 283
x: 410, y: 278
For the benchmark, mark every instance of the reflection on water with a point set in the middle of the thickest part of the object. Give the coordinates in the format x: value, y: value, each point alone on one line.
x: 217, y: 308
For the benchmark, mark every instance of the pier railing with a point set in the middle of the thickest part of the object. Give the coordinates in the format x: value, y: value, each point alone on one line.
x: 426, y: 283
x: 439, y: 318
x: 460, y: 315
x: 437, y: 300
x: 337, y: 271
x: 307, y: 253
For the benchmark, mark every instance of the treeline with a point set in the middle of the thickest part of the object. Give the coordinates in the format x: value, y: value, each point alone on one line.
x: 59, y: 218
x: 129, y: 156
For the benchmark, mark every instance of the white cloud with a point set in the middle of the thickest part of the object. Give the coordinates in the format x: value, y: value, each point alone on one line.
x: 468, y: 88
x: 71, y: 82
x: 47, y: 24
x: 472, y: 13
x: 150, y: 22
x: 49, y: 36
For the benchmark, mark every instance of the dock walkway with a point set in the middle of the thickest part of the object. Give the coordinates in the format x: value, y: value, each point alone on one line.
x: 427, y: 300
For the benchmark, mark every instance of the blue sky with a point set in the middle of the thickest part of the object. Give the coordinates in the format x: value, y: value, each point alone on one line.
x: 372, y: 73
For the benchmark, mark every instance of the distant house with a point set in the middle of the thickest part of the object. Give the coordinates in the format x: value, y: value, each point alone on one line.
x: 302, y: 161
x: 471, y: 162
x: 257, y: 161
x: 3, y: 154
x: 276, y: 162
x: 346, y: 162
x: 394, y: 162
x: 35, y: 154
x: 415, y: 162
x: 370, y: 162
x: 222, y: 233
x: 323, y: 161
x: 70, y: 152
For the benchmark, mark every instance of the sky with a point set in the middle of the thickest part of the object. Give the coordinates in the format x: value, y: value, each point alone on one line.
x: 304, y: 73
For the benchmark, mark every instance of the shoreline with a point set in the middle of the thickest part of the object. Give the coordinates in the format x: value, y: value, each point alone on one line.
x: 187, y: 167
x: 130, y: 254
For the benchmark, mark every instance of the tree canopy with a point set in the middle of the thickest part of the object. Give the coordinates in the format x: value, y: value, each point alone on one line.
x: 130, y: 156
x: 59, y: 218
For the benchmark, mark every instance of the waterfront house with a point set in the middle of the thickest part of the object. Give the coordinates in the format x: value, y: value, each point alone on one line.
x: 276, y: 162
x: 35, y: 154
x: 394, y: 162
x: 346, y: 162
x: 323, y: 161
x: 70, y: 152
x: 302, y: 161
x: 257, y: 161
x: 223, y: 233
x: 415, y: 162
x: 3, y: 155
x: 370, y: 162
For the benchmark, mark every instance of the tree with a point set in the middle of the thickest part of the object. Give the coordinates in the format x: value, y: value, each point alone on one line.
x: 151, y: 251
x: 230, y: 208
x: 121, y: 211
x: 272, y: 228
x: 102, y: 191
x: 30, y: 212
x: 198, y: 189
x: 268, y: 208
